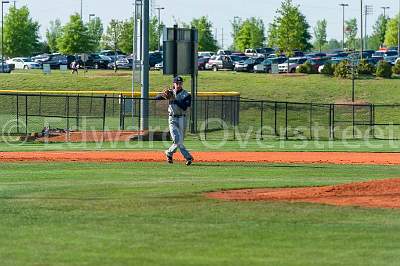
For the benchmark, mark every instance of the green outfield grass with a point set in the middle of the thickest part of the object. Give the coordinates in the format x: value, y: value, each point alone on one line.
x: 303, y: 88
x: 155, y: 214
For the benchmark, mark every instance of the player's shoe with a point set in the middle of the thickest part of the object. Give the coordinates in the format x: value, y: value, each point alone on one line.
x: 169, y: 158
x: 189, y: 162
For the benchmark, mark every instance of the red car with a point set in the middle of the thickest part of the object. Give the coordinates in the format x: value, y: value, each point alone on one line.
x: 201, y: 63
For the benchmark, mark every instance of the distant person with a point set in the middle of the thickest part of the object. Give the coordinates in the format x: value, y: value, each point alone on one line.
x: 74, y: 67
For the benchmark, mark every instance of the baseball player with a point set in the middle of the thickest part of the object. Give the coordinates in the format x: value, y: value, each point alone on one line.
x: 179, y: 102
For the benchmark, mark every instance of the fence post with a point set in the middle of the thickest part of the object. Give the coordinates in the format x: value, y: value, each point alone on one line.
x: 104, y: 111
x: 276, y: 118
x: 121, y: 106
x: 311, y: 121
x: 371, y: 120
x: 234, y: 119
x: 206, y: 117
x: 26, y: 114
x: 286, y: 121
x: 330, y: 121
x: 140, y: 112
x: 91, y: 104
x: 77, y: 112
x: 333, y: 121
x: 17, y: 114
x: 40, y: 104
x: 222, y: 110
x: 67, y: 113
x: 353, y: 118
x: 262, y: 119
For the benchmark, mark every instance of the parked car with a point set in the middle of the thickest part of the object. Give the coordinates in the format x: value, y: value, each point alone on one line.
x: 23, y: 63
x: 293, y: 63
x: 113, y: 55
x: 266, y: 65
x: 248, y: 65
x: 315, y: 55
x: 159, y: 66
x: 387, y: 55
x: 205, y: 54
x: 236, y: 58
x: 316, y: 63
x: 4, y: 68
x: 155, y: 58
x: 224, y: 52
x: 39, y: 58
x: 201, y: 63
x: 265, y: 51
x: 54, y: 60
x: 397, y: 60
x: 94, y: 61
x: 218, y: 62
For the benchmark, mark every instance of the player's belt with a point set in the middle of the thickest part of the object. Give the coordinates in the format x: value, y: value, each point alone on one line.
x: 177, y: 115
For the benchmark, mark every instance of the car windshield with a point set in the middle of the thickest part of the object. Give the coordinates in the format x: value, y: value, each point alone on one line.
x: 267, y: 62
x: 249, y: 61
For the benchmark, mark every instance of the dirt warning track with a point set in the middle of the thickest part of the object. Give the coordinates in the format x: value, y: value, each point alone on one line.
x: 250, y: 157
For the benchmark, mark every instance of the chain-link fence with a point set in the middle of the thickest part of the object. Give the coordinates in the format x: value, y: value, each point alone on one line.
x: 218, y: 117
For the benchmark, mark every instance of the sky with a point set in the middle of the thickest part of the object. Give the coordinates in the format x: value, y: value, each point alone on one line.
x: 220, y: 12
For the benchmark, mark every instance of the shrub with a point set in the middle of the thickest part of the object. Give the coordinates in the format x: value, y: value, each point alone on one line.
x: 306, y: 68
x: 365, y: 68
x: 396, y: 68
x: 303, y: 69
x: 384, y: 70
x: 344, y: 70
x: 328, y: 69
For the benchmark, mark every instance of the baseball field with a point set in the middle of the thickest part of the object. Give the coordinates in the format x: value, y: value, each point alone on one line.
x: 279, y: 202
x: 102, y: 207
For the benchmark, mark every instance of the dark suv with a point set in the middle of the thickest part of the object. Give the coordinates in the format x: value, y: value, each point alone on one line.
x: 55, y: 60
x: 94, y: 61
x: 155, y: 58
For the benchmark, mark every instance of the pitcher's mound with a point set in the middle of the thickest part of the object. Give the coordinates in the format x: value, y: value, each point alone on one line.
x: 373, y: 194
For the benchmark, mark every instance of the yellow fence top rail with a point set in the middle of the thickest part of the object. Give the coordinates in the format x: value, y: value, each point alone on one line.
x: 125, y: 93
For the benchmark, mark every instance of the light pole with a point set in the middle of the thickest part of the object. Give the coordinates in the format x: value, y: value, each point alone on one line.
x: 81, y: 10
x: 343, y: 6
x: 361, y: 36
x: 159, y: 24
x: 2, y: 34
x: 384, y: 10
x: 368, y: 11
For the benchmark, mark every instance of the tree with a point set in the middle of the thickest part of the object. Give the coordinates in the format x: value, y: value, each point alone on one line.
x: 289, y: 30
x: 95, y: 29
x: 125, y: 41
x: 236, y: 23
x: 332, y: 44
x: 113, y: 35
x: 320, y: 34
x: 391, y: 32
x: 250, y: 34
x: 52, y: 34
x: 21, y: 33
x: 153, y: 34
x: 206, y: 38
x: 378, y: 36
x: 75, y: 37
x: 351, y: 33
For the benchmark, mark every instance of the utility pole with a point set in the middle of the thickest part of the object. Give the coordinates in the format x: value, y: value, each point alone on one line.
x: 82, y: 10
x: 343, y: 29
x: 384, y: 10
x: 362, y: 34
x: 368, y: 11
x: 159, y: 25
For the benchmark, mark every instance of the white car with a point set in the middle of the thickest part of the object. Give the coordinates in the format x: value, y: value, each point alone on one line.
x: 23, y: 63
x: 159, y: 66
x: 294, y: 62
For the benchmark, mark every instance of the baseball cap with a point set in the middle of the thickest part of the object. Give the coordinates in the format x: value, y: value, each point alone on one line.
x: 178, y: 79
